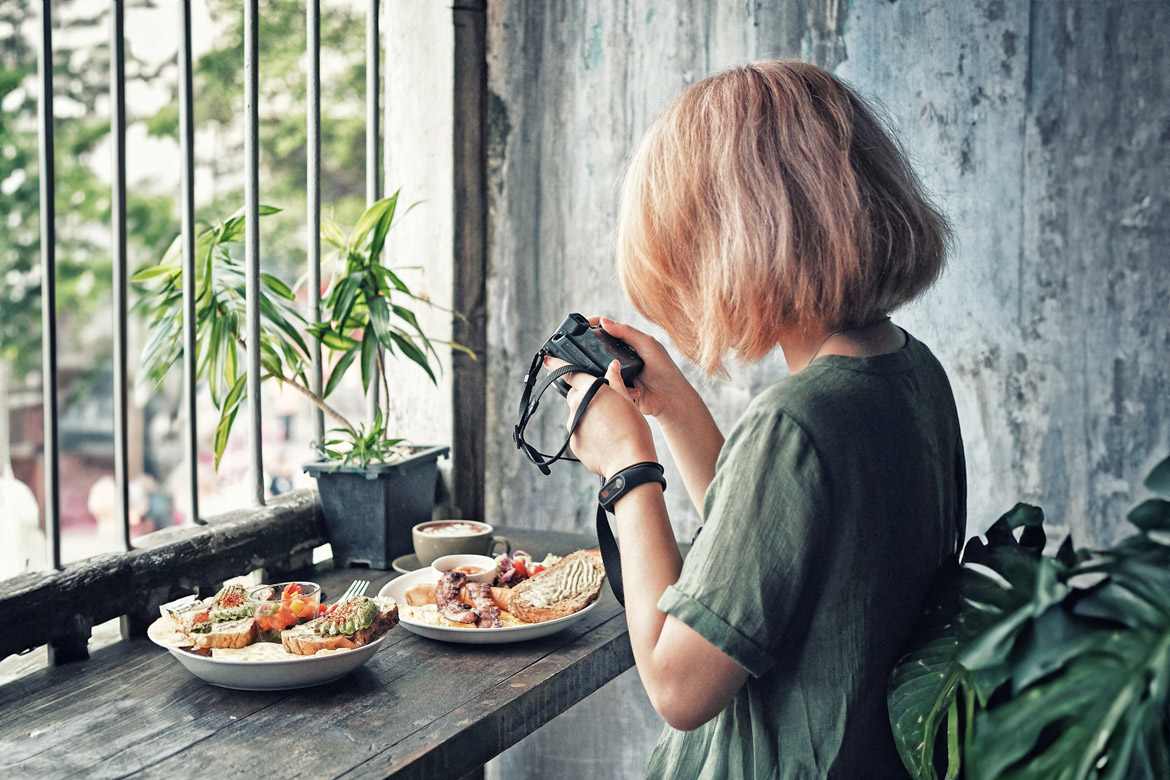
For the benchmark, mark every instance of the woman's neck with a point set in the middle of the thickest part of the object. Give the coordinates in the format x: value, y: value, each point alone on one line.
x: 802, y: 345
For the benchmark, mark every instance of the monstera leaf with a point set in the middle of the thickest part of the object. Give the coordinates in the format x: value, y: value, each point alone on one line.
x: 988, y: 597
x: 1050, y: 668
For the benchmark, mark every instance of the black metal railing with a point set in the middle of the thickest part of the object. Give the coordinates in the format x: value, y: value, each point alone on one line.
x: 252, y: 242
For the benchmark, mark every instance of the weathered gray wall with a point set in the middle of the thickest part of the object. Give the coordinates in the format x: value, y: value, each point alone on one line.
x: 1042, y: 127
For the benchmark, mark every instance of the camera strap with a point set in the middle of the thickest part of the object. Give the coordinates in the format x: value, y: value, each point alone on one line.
x: 529, y: 402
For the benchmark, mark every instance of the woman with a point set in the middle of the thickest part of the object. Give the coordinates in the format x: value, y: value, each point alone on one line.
x: 768, y: 207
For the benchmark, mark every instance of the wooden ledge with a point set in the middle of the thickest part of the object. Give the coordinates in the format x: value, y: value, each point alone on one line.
x: 59, y: 608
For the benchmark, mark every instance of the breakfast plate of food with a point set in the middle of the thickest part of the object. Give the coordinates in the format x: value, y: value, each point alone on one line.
x: 520, y: 600
x: 273, y: 637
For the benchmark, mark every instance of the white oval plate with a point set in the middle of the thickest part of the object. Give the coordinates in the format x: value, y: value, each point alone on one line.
x: 283, y: 675
x: 396, y: 589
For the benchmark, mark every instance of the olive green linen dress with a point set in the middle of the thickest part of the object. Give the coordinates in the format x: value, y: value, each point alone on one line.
x: 835, y: 498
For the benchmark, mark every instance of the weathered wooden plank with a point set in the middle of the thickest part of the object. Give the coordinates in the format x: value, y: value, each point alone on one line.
x: 499, y: 718
x: 60, y: 606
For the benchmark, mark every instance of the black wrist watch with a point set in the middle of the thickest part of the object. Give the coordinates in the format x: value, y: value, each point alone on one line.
x: 627, y: 479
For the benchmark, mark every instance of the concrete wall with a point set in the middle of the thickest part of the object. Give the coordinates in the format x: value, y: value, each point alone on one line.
x: 418, y: 40
x: 1043, y: 128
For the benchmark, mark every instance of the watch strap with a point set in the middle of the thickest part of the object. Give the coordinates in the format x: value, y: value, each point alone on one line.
x: 627, y: 479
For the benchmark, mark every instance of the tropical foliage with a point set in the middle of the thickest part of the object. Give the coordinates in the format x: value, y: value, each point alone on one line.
x: 1038, y: 667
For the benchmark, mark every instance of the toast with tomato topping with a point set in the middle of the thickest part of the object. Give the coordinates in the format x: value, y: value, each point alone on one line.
x: 356, y: 622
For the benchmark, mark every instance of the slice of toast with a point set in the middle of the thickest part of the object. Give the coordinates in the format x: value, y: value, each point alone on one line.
x: 564, y: 588
x: 308, y: 638
x: 233, y: 633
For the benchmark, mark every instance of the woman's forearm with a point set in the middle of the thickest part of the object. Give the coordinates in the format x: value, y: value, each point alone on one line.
x: 688, y: 679
x: 694, y: 441
x: 650, y: 564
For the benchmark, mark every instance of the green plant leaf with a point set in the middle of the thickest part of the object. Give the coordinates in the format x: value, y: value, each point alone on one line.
x: 338, y: 341
x: 342, y: 302
x: 1151, y: 515
x: 413, y: 353
x: 390, y: 279
x: 270, y: 358
x: 152, y: 272
x: 382, y: 228
x: 217, y: 348
x: 1101, y: 686
x: 1158, y: 480
x: 339, y: 370
x: 332, y: 234
x: 222, y: 431
x: 369, y: 357
x: 278, y: 287
x: 237, y: 394
x: 923, y: 688
x: 279, y: 318
x: 369, y: 219
x: 380, y: 318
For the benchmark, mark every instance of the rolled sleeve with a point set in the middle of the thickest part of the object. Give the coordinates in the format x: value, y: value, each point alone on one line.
x: 746, y: 586
x: 739, y: 647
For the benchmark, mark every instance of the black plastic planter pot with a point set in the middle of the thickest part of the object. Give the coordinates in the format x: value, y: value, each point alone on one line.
x: 369, y: 512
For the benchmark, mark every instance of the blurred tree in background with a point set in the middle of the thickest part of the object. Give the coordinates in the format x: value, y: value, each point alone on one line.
x: 283, y: 100
x: 81, y: 89
x: 82, y: 198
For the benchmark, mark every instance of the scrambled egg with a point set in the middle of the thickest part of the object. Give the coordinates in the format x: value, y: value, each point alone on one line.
x: 265, y: 651
x: 428, y: 614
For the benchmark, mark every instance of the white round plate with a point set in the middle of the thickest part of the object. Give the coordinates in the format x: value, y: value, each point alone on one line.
x: 396, y: 589
x: 265, y: 675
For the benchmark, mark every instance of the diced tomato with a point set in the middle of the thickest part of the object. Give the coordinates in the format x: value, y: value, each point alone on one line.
x: 520, y: 567
x: 536, y: 569
x: 290, y: 590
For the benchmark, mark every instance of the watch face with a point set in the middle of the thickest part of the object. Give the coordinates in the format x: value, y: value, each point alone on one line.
x: 613, y: 487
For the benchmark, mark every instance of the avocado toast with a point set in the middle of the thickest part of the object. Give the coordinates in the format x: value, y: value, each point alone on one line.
x: 357, y: 621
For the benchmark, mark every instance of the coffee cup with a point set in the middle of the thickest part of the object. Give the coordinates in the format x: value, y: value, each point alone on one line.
x: 449, y: 537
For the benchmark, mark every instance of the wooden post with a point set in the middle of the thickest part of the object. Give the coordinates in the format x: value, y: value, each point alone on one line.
x: 469, y: 391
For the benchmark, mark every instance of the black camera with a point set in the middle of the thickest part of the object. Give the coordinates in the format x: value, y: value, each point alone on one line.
x: 588, y: 346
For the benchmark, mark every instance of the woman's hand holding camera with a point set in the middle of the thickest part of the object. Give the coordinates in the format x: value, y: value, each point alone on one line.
x: 614, y: 434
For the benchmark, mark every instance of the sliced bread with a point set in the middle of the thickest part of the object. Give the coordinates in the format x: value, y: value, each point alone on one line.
x: 232, y: 633
x: 308, y: 638
x: 564, y: 588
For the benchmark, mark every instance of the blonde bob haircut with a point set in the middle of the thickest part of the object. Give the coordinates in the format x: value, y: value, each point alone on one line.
x: 770, y: 197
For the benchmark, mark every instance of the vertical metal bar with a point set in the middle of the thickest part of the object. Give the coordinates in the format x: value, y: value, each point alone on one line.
x: 118, y: 229
x: 313, y: 42
x: 187, y: 206
x: 373, y: 87
x: 373, y: 136
x: 252, y: 238
x: 49, y: 286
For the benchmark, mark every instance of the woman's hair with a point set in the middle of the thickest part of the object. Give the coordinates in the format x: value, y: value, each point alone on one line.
x: 766, y: 197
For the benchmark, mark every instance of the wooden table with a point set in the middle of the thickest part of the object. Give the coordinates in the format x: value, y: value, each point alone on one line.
x: 417, y: 708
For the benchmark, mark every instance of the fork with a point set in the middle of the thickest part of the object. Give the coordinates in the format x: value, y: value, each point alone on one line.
x: 356, y: 588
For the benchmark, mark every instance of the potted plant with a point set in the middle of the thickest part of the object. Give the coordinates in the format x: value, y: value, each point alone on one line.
x: 373, y: 487
x: 1034, y: 666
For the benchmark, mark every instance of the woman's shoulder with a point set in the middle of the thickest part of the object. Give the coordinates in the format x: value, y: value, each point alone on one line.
x: 837, y: 385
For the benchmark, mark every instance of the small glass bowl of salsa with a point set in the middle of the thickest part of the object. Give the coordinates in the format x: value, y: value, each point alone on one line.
x: 283, y: 605
x: 478, y: 568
